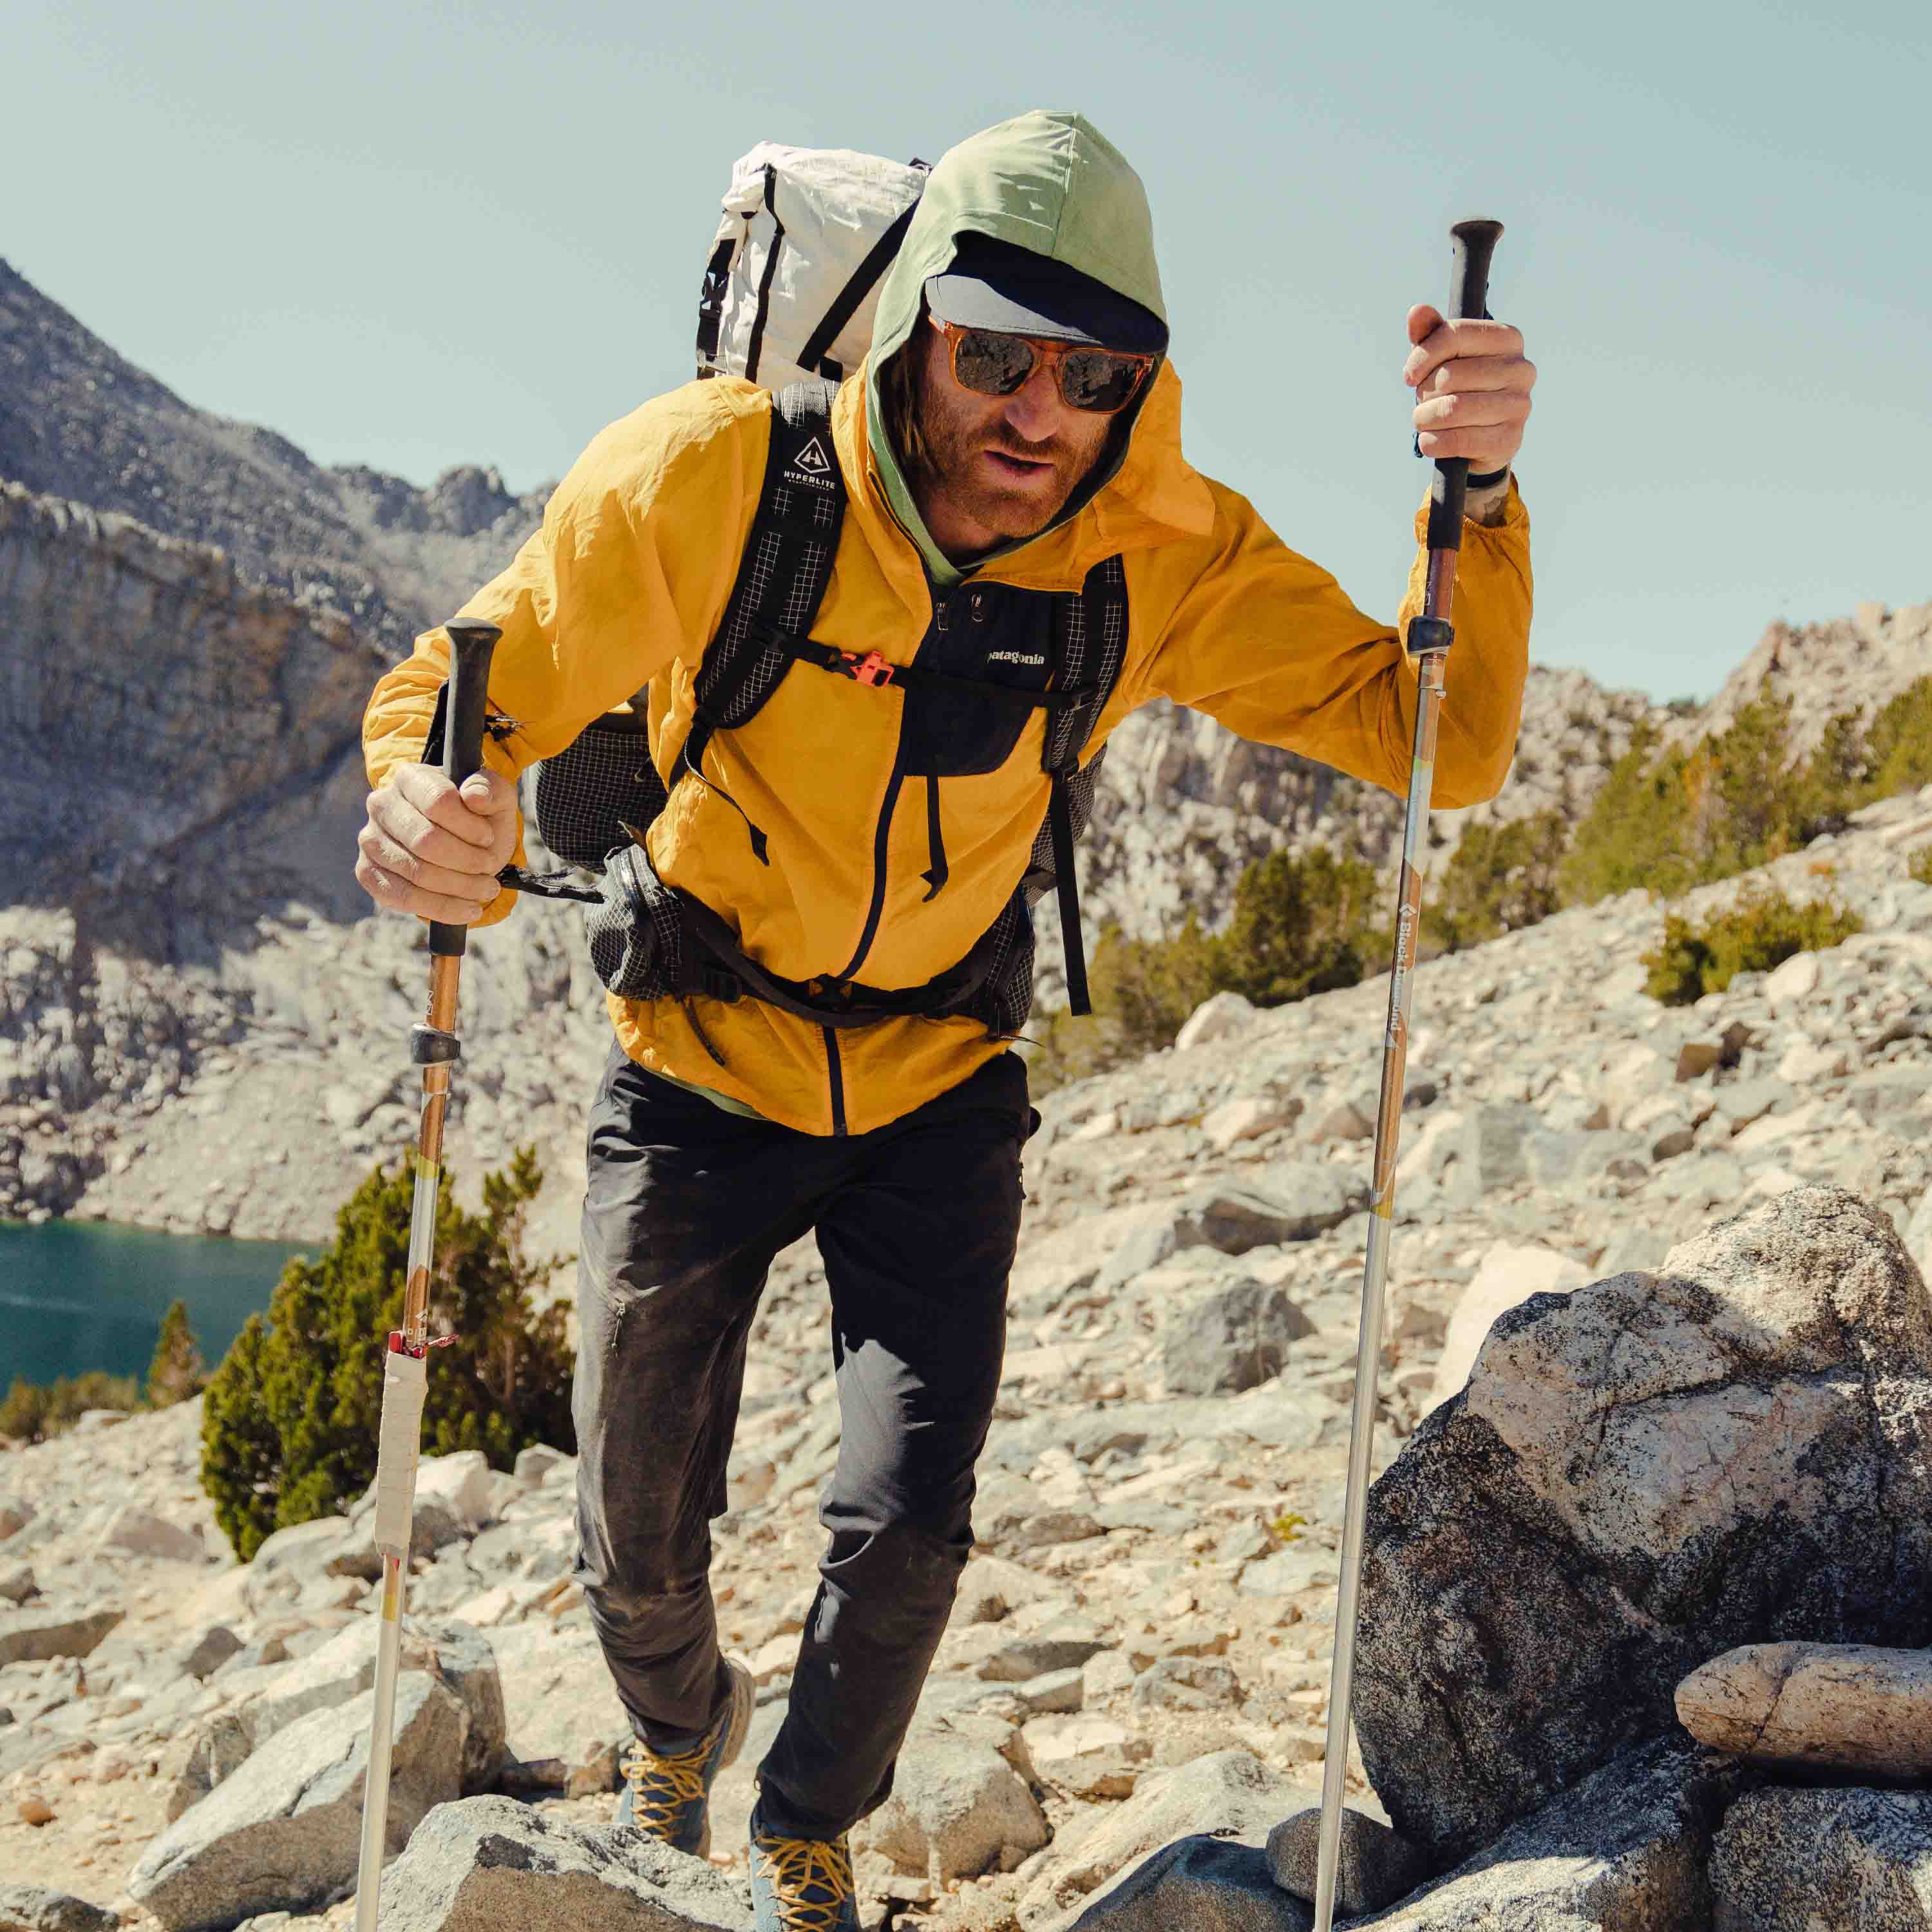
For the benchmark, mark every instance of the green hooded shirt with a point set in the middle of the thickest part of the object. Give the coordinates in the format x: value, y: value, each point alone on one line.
x: 1048, y: 181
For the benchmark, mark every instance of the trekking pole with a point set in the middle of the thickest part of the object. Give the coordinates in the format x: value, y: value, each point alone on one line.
x: 434, y: 1046
x: 1429, y: 636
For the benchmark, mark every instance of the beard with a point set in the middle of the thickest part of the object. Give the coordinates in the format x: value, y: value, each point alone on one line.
x: 952, y: 462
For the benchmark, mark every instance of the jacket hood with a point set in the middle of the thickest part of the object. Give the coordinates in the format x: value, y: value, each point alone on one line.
x: 1048, y: 181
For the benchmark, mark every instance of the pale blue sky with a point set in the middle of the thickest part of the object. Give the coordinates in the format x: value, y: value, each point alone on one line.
x: 415, y: 234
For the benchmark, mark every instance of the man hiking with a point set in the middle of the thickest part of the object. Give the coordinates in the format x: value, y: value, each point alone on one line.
x: 1015, y: 496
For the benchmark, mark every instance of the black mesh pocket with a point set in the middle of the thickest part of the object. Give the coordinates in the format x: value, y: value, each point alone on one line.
x: 636, y: 929
x: 582, y: 793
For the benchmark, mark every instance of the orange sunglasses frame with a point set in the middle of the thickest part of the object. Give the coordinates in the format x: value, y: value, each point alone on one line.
x: 1051, y: 354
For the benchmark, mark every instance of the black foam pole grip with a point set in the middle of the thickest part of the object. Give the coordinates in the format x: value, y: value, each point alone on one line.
x: 1474, y: 243
x: 470, y: 646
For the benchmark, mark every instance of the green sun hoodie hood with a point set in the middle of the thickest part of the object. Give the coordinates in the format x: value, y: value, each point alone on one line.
x: 1048, y: 181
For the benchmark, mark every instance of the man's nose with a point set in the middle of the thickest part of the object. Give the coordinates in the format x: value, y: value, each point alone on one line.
x: 1033, y: 409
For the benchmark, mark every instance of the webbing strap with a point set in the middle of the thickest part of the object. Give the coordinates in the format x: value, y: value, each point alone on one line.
x: 847, y: 1002
x: 1059, y: 817
x: 813, y: 355
x: 756, y: 345
x: 876, y: 671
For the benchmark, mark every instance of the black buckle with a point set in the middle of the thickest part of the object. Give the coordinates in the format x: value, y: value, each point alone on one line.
x: 716, y: 981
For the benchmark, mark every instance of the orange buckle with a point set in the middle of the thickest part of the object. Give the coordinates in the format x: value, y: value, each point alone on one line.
x: 871, y: 669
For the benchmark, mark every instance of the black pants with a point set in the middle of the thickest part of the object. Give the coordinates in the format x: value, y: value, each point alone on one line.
x: 686, y: 1206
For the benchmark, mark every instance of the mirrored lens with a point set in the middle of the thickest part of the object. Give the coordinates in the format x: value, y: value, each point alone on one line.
x: 990, y: 364
x: 1092, y: 379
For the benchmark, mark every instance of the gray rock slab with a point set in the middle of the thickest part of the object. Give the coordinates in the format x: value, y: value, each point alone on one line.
x: 1301, y: 1566
x: 467, y: 1664
x: 1638, y: 1477
x: 32, y: 1636
x: 487, y: 1864
x: 1204, y: 1884
x: 33, y: 1908
x: 283, y: 1835
x: 1792, y: 1861
x: 1229, y: 1794
x: 1627, y: 1848
x: 1298, y: 1200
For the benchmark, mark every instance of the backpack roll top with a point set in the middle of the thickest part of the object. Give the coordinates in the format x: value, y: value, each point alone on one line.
x: 792, y: 283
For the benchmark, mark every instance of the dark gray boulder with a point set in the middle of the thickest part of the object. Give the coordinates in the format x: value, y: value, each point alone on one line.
x: 1790, y: 1861
x: 1204, y: 1884
x: 1639, y: 1476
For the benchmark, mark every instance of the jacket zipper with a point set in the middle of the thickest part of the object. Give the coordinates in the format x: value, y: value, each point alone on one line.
x: 882, y: 836
x: 836, y: 1072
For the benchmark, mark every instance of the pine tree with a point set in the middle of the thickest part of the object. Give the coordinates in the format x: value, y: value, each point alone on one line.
x: 289, y: 1431
x: 177, y: 1371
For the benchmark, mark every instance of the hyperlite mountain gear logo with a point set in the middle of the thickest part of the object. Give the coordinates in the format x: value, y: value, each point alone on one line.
x: 811, y: 465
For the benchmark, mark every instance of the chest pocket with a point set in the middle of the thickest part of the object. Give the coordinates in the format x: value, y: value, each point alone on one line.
x: 989, y: 635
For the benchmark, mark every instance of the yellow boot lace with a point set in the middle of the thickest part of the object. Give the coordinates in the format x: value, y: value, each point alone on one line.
x: 661, y: 1787
x: 811, y: 1881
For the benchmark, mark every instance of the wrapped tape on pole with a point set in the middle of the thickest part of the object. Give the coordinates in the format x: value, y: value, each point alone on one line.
x: 405, y: 1387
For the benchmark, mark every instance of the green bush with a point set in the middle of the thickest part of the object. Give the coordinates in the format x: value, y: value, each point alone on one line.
x: 1900, y: 741
x: 1499, y: 879
x: 289, y: 1429
x: 1921, y: 867
x: 1142, y: 991
x: 177, y: 1371
x: 1763, y: 929
x: 33, y: 1411
x: 1305, y: 923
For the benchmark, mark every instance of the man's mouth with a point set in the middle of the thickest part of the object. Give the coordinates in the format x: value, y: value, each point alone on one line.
x: 1020, y: 468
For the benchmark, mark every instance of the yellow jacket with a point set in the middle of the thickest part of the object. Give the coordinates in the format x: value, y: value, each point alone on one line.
x: 626, y: 582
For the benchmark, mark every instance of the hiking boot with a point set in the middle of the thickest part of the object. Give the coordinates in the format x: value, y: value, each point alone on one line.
x: 667, y: 1798
x: 801, y: 1885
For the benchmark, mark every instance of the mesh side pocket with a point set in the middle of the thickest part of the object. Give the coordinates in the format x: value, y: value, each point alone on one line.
x: 636, y: 932
x: 605, y: 775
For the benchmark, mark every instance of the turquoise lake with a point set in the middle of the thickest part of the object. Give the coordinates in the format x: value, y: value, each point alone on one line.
x: 78, y: 1295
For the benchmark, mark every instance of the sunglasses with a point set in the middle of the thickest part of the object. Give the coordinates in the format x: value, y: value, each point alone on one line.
x: 990, y: 363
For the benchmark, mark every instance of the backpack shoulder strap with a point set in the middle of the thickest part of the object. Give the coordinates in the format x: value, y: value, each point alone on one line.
x: 1090, y: 634
x: 782, y: 573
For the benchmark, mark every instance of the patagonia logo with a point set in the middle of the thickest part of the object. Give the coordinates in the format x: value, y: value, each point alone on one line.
x: 811, y: 465
x: 1015, y: 657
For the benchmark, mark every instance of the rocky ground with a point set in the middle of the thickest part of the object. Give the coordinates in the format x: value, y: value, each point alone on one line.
x: 1141, y: 1649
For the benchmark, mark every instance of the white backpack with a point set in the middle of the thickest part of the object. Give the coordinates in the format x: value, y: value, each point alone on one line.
x: 793, y: 284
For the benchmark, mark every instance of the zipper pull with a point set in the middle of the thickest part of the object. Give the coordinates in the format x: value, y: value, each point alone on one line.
x: 939, y: 609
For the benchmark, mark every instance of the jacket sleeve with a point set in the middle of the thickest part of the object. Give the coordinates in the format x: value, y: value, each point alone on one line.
x: 627, y: 571
x: 1267, y: 643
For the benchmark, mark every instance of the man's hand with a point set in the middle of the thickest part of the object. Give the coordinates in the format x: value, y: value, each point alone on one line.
x: 432, y: 850
x: 1472, y: 384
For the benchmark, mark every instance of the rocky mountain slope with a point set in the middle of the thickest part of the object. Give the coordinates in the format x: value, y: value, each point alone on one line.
x: 191, y: 614
x: 1140, y: 1653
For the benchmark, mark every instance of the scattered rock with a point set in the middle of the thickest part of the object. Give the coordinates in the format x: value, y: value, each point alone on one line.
x: 140, y: 1532
x: 284, y: 1836
x: 1375, y: 1865
x: 32, y: 1908
x: 1227, y: 1336
x: 490, y: 1863
x: 1847, y: 1708
x: 32, y: 1636
x: 957, y: 1809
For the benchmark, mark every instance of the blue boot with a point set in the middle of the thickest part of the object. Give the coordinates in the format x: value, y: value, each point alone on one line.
x: 668, y: 1798
x: 801, y: 1885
